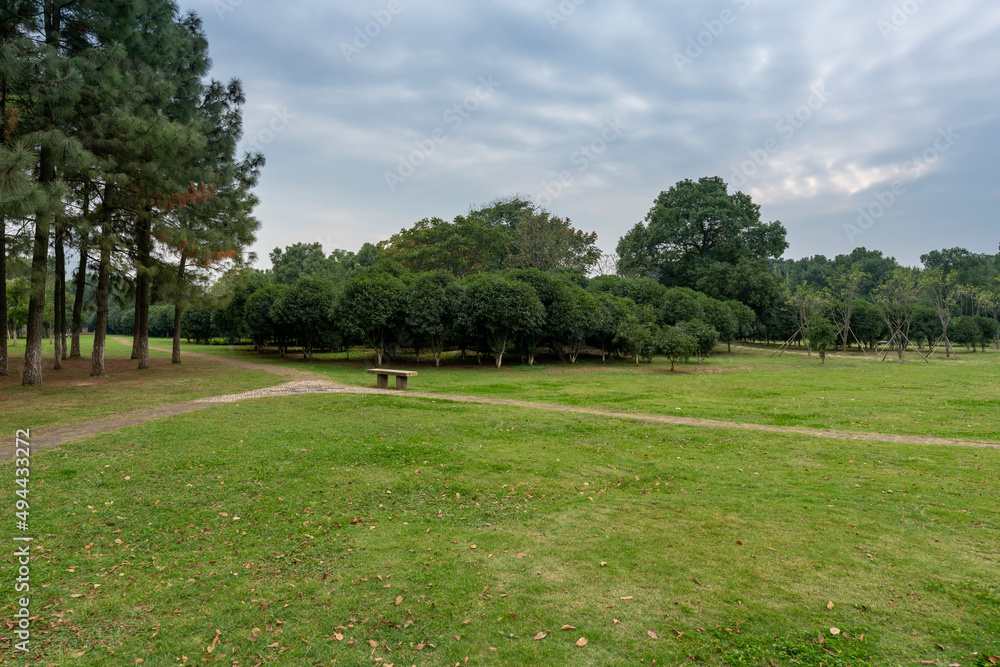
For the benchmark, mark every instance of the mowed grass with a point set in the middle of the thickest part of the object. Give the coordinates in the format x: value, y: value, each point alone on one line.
x: 957, y: 398
x: 353, y: 530
x: 71, y: 396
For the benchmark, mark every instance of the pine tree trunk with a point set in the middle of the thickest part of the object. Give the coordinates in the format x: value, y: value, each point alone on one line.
x: 143, y: 290
x: 103, y: 289
x: 81, y: 286
x: 175, y: 357
x: 58, y: 299
x: 135, y: 329
x: 32, y: 374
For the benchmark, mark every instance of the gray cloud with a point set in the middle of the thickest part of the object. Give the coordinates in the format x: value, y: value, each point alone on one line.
x: 743, y: 102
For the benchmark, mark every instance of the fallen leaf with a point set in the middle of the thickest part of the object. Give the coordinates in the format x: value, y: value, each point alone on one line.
x: 541, y: 635
x: 407, y: 624
x: 567, y: 627
x: 627, y: 597
x: 678, y: 633
x: 582, y: 641
x: 940, y: 646
x: 399, y: 600
x: 739, y: 543
x: 457, y: 638
x: 466, y: 622
x: 993, y: 660
x: 652, y: 634
x: 373, y: 643
x: 834, y: 631
x: 603, y: 564
x: 339, y: 637
x: 520, y: 556
x: 616, y: 621
x: 493, y: 649
x: 420, y: 647
x: 830, y: 606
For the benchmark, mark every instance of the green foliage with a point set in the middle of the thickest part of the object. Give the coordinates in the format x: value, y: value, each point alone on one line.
x: 431, y: 306
x: 676, y: 344
x: 258, y: 314
x: 510, y: 233
x: 704, y: 336
x: 498, y: 312
x: 372, y: 308
x: 699, y: 236
x: 304, y: 311
x: 196, y: 325
x: 636, y: 331
x: 821, y: 334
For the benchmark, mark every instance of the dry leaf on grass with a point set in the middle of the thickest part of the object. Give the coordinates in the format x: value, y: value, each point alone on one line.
x: 567, y: 627
x: 834, y: 631
x: 541, y: 635
x: 627, y: 597
x: 830, y: 606
x: 582, y: 641
x: 652, y: 634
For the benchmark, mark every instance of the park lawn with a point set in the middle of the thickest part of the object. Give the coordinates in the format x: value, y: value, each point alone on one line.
x: 70, y: 395
x: 957, y: 398
x: 346, y: 529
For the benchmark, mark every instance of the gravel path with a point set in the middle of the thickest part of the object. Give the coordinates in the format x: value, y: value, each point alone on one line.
x: 305, y: 382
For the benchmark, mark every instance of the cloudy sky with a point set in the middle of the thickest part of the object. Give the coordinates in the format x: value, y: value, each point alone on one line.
x: 857, y: 122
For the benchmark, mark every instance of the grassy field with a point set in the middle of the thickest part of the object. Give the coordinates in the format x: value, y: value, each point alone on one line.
x: 344, y: 529
x: 397, y: 530
x: 957, y: 398
x: 70, y: 395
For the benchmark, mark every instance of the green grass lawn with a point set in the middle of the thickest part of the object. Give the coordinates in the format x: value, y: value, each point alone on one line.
x: 70, y: 395
x: 957, y: 398
x: 363, y: 530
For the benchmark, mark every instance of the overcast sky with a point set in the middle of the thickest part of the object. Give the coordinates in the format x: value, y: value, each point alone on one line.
x: 856, y: 122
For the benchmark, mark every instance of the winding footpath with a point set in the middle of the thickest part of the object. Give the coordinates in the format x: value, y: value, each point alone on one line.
x: 305, y: 382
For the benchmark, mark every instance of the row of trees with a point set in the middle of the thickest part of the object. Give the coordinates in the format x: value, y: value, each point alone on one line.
x: 910, y: 306
x: 386, y: 307
x: 117, y: 151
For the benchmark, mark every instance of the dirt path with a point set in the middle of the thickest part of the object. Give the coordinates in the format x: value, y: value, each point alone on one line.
x: 305, y: 382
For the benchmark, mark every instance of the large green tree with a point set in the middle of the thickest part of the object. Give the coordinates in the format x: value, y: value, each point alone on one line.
x: 698, y: 235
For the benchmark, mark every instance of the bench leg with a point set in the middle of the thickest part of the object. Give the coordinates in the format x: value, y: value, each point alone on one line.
x: 382, y: 382
x: 401, y: 382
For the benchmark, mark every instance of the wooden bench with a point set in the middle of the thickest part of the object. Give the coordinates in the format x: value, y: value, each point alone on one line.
x: 383, y: 377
